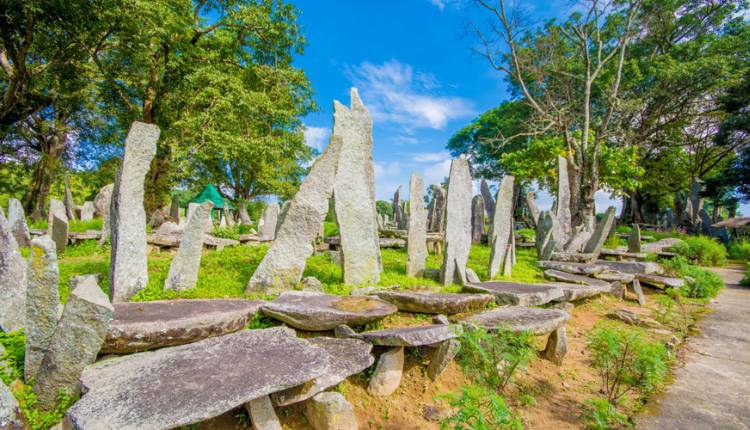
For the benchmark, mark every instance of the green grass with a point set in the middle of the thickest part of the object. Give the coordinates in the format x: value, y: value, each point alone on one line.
x: 702, y: 250
x: 73, y: 226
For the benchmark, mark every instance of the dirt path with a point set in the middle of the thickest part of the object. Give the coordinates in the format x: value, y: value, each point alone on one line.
x: 712, y: 390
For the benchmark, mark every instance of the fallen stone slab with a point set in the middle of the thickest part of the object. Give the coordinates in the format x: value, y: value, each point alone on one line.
x: 571, y: 267
x: 575, y: 279
x: 148, y: 325
x: 412, y: 336
x: 633, y: 267
x: 660, y: 245
x: 330, y: 411
x: 518, y: 318
x: 441, y: 357
x: 347, y: 357
x: 516, y: 293
x: 383, y: 242
x: 313, y: 311
x: 615, y: 276
x: 574, y: 292
x: 574, y: 257
x: 387, y: 375
x: 660, y: 282
x: 632, y: 318
x: 621, y: 254
x: 85, y: 235
x: 435, y: 303
x: 262, y: 415
x: 186, y: 384
x: 173, y: 240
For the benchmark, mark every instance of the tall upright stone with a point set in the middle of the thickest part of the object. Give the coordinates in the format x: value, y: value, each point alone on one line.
x: 706, y: 223
x: 417, y: 243
x: 17, y: 222
x: 267, y: 226
x: 56, y: 209
x: 533, y: 209
x: 227, y: 214
x: 70, y: 205
x: 545, y: 238
x: 596, y: 243
x: 77, y: 339
x: 502, y: 229
x: 128, y: 271
x: 634, y: 239
x: 458, y: 223
x: 437, y: 213
x: 87, y: 211
x: 354, y: 188
x: 564, y: 218
x: 12, y: 280
x: 60, y: 232
x: 282, y: 214
x: 477, y: 219
x: 489, y: 201
x: 696, y: 201
x: 282, y: 266
x: 174, y: 209
x: 102, y: 203
x: 183, y: 271
x: 398, y: 212
x: 41, y: 303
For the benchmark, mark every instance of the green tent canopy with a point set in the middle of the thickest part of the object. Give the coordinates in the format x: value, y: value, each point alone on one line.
x: 209, y: 192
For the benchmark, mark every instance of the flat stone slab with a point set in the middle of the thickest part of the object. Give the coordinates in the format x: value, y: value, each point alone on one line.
x: 661, y: 282
x: 572, y: 267
x: 574, y: 257
x: 516, y: 293
x: 348, y: 357
x: 85, y: 235
x: 313, y: 311
x: 148, y: 325
x: 519, y: 318
x: 173, y: 240
x: 623, y: 253
x: 615, y: 276
x: 186, y: 384
x: 412, y: 336
x: 575, y: 279
x: 428, y: 302
x: 383, y: 242
x: 633, y: 267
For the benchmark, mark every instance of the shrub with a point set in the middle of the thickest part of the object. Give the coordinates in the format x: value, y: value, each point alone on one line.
x: 746, y: 280
x: 702, y: 250
x: 705, y: 284
x: 479, y: 408
x: 623, y: 229
x: 11, y: 360
x: 492, y: 358
x: 527, y: 234
x: 740, y: 250
x: 599, y: 414
x: 665, y: 309
x: 626, y: 361
x: 37, y: 419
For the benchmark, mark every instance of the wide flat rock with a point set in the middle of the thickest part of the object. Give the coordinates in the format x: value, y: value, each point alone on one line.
x: 435, y: 303
x: 383, y: 242
x: 660, y: 281
x: 633, y: 267
x: 516, y: 293
x: 148, y: 325
x: 347, y: 357
x: 313, y: 311
x: 519, y: 318
x: 412, y: 336
x: 576, y: 279
x: 615, y: 276
x: 186, y: 384
x: 173, y: 240
x: 574, y: 257
x: 572, y: 267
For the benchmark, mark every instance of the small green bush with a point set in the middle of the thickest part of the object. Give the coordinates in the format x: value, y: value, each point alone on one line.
x: 623, y: 229
x: 702, y: 250
x: 746, y: 280
x: 527, y: 234
x: 11, y: 360
x: 740, y: 250
x: 37, y: 419
x: 627, y: 362
x: 479, y: 408
x: 599, y: 414
x: 705, y: 284
x: 665, y: 309
x: 492, y: 358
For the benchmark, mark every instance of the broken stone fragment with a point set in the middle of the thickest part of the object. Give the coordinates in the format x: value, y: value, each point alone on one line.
x: 42, y: 301
x: 330, y: 411
x: 262, y: 415
x: 441, y: 357
x: 387, y: 375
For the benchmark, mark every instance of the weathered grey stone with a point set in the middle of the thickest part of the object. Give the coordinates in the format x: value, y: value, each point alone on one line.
x: 632, y: 318
x: 661, y: 245
x: 41, y: 303
x: 282, y: 215
x: 458, y: 223
x: 614, y: 276
x: 398, y: 211
x: 573, y: 257
x: 517, y: 294
x: 596, y: 243
x: 489, y: 200
x: 282, y: 266
x: 578, y: 291
x: 76, y: 342
x: 12, y: 280
x: 695, y: 201
x: 435, y: 413
x: 17, y: 223
x: 311, y: 283
x: 441, y: 357
x: 330, y: 411
x: 347, y: 357
x: 571, y: 267
x: 557, y: 346
x: 158, y: 217
x: 319, y: 312
x: 659, y: 281
x: 580, y: 237
x: 197, y: 381
x: 471, y: 275
x: 174, y: 209
x: 70, y: 205
x: 436, y: 215
x: 56, y: 208
x: 60, y: 233
x: 533, y: 209
x: 440, y: 319
x: 417, y: 243
x: 11, y: 417
x: 545, y: 240
x: 149, y: 325
x: 267, y: 224
x: 103, y: 200
x: 502, y: 230
x: 183, y: 271
x: 634, y: 239
x: 634, y: 267
x: 563, y: 215
x: 518, y: 318
x: 128, y: 271
x: 636, y: 286
x: 262, y: 415
x: 477, y: 219
x: 412, y: 335
x: 87, y: 211
x: 435, y: 303
x: 576, y: 279
x: 354, y: 188
x: 387, y: 375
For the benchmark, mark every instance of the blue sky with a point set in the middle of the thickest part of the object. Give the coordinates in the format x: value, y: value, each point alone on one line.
x: 412, y: 63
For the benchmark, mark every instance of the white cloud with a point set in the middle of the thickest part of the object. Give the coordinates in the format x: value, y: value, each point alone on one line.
x: 394, y: 93
x: 440, y: 4
x: 316, y: 137
x: 431, y: 157
x: 436, y: 173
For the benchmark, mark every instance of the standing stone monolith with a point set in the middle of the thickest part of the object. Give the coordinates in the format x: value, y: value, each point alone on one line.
x: 87, y: 211
x: 502, y: 229
x: 596, y: 243
x: 128, y: 271
x: 174, y: 209
x: 77, y: 339
x: 41, y: 303
x: 267, y: 227
x: 282, y: 214
x: 103, y: 200
x: 417, y: 244
x: 12, y: 280
x: 477, y: 219
x: 56, y: 209
x: 437, y: 214
x: 533, y: 209
x: 227, y: 214
x: 564, y: 218
x: 634, y: 239
x: 60, y: 232
x: 354, y: 188
x: 398, y: 211
x: 70, y: 205
x: 183, y: 272
x: 489, y: 201
x: 282, y: 266
x: 458, y: 223
x: 17, y: 222
x: 545, y: 240
x: 696, y: 201
x: 706, y: 223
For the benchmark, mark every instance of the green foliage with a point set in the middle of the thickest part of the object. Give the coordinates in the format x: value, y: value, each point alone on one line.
x: 624, y: 228
x: 330, y: 229
x: 260, y: 321
x: 705, y: 284
x: 746, y: 280
x: 493, y: 358
x: 702, y: 250
x: 665, y: 309
x: 75, y: 226
x: 384, y: 207
x: 739, y: 250
x: 12, y: 359
x: 527, y: 234
x: 37, y: 419
x: 599, y: 414
x: 479, y: 408
x: 233, y: 232
x: 627, y: 362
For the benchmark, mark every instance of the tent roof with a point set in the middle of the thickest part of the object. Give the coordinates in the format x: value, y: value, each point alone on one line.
x: 209, y: 192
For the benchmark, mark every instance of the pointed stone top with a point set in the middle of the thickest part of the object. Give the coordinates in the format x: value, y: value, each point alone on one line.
x: 144, y: 130
x: 339, y: 107
x: 44, y: 244
x: 462, y: 157
x: 356, y: 102
x: 88, y: 290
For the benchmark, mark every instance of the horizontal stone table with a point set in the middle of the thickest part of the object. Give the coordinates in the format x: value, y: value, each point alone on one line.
x: 659, y: 281
x: 633, y: 267
x: 517, y: 293
x: 572, y: 267
x: 428, y: 302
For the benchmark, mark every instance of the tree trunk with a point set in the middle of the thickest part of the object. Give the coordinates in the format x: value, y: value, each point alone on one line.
x: 158, y: 183
x: 45, y: 170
